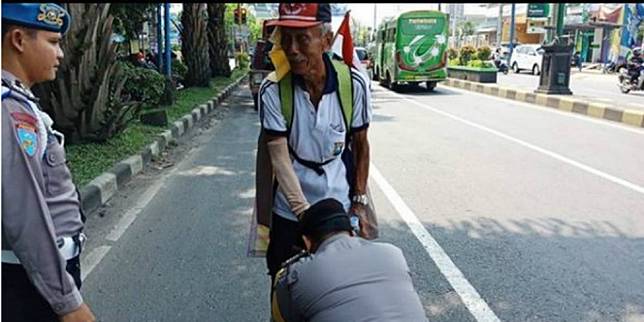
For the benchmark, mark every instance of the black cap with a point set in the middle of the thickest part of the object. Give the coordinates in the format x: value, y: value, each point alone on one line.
x: 323, y: 217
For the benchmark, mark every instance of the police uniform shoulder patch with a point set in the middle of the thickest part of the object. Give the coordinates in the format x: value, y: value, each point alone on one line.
x: 26, y: 132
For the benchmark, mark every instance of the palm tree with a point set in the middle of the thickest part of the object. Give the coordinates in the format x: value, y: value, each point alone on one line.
x: 194, y: 44
x: 217, y: 40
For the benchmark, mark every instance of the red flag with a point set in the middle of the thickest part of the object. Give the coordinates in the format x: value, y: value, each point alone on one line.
x: 347, y: 42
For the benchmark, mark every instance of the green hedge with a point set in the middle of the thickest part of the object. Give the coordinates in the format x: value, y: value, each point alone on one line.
x: 89, y: 160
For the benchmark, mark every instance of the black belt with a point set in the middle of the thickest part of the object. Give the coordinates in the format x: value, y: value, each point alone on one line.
x: 315, y: 166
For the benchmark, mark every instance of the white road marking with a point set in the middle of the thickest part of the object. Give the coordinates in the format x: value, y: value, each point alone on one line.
x: 91, y: 260
x: 470, y: 297
x: 129, y: 217
x: 552, y: 110
x: 577, y: 164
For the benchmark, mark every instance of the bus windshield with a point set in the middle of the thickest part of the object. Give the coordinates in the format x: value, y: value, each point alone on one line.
x: 415, y: 26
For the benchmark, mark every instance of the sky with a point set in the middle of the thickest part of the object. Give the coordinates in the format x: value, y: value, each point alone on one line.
x: 364, y: 12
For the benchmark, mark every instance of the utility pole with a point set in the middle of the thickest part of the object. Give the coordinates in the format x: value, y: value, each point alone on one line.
x: 375, y: 21
x: 512, y: 27
x: 168, y: 48
x: 241, y: 44
x: 159, y: 53
x: 439, y: 7
x: 499, y: 26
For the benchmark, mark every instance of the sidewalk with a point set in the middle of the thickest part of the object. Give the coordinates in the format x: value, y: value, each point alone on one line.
x: 630, y: 113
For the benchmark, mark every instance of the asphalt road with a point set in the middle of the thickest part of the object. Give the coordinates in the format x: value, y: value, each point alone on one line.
x: 593, y: 87
x: 503, y: 210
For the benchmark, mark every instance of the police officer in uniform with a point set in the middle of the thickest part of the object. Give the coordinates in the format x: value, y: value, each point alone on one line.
x: 41, y: 217
x: 341, y: 277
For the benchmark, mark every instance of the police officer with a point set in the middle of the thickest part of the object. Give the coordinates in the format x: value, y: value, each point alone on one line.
x: 41, y: 216
x: 343, y: 278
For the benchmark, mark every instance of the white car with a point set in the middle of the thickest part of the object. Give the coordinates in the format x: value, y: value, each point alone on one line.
x: 527, y: 57
x: 365, y: 62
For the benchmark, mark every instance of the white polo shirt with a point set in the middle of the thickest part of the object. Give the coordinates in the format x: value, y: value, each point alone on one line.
x: 316, y: 135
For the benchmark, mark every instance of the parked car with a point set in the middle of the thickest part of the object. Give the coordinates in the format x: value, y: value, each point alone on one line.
x: 527, y: 57
x: 261, y: 64
x: 365, y: 61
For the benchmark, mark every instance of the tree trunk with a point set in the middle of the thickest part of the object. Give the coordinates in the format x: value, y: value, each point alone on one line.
x: 194, y: 45
x: 218, y: 42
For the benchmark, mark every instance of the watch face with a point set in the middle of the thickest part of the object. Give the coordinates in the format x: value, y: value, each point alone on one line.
x: 362, y: 199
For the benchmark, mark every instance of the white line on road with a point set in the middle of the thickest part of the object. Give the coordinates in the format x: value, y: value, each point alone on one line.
x: 91, y: 260
x: 131, y: 214
x: 589, y: 169
x: 470, y: 297
x: 552, y: 110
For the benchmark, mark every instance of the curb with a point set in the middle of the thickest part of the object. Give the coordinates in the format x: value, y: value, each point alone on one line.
x: 100, y: 190
x: 562, y: 103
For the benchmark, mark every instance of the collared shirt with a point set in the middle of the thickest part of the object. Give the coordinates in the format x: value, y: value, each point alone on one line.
x: 317, y: 135
x: 348, y: 279
x: 40, y: 203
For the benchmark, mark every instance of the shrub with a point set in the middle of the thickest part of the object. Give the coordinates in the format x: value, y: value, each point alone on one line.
x: 484, y: 53
x: 466, y: 54
x: 179, y: 69
x: 143, y: 85
x: 452, y: 53
x: 479, y: 64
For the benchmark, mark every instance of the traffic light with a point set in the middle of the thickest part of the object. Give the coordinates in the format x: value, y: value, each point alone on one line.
x: 243, y: 16
x: 237, y: 15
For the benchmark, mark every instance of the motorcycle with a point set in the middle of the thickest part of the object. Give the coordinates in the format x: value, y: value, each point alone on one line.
x: 627, y: 81
x: 502, y: 66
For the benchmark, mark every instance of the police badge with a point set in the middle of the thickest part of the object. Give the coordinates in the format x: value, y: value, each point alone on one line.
x: 51, y: 15
x: 337, y: 148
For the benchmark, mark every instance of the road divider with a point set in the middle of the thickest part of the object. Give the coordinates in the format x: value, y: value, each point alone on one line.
x: 563, y: 103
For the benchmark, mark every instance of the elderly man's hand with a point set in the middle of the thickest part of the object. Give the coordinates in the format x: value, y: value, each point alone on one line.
x: 361, y: 211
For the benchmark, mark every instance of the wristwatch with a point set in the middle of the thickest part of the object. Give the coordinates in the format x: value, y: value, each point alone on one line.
x: 361, y: 199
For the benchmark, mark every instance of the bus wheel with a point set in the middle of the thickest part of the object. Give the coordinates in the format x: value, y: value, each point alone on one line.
x: 387, y: 82
x: 376, y: 75
x: 430, y: 86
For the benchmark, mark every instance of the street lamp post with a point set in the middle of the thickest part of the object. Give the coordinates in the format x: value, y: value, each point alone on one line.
x: 555, y: 66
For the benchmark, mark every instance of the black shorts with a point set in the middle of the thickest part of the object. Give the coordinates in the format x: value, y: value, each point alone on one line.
x: 21, y: 301
x: 285, y: 242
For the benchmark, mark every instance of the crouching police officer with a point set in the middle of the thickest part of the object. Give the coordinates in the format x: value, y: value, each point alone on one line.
x: 344, y: 278
x: 41, y: 215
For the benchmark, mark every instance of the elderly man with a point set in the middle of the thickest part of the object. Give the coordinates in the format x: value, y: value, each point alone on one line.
x: 315, y: 119
x: 41, y: 217
x: 343, y: 278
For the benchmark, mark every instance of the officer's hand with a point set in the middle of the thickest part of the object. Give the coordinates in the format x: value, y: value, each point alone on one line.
x: 82, y: 314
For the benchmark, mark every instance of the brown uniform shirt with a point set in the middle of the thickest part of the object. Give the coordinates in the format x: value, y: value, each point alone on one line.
x: 40, y: 203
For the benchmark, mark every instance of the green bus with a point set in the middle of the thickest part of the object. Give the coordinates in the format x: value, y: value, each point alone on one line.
x: 412, y: 48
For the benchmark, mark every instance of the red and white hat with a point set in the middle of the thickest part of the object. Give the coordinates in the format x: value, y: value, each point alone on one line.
x: 302, y: 15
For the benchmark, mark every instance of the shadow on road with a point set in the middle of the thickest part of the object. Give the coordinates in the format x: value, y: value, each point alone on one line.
x: 544, y: 269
